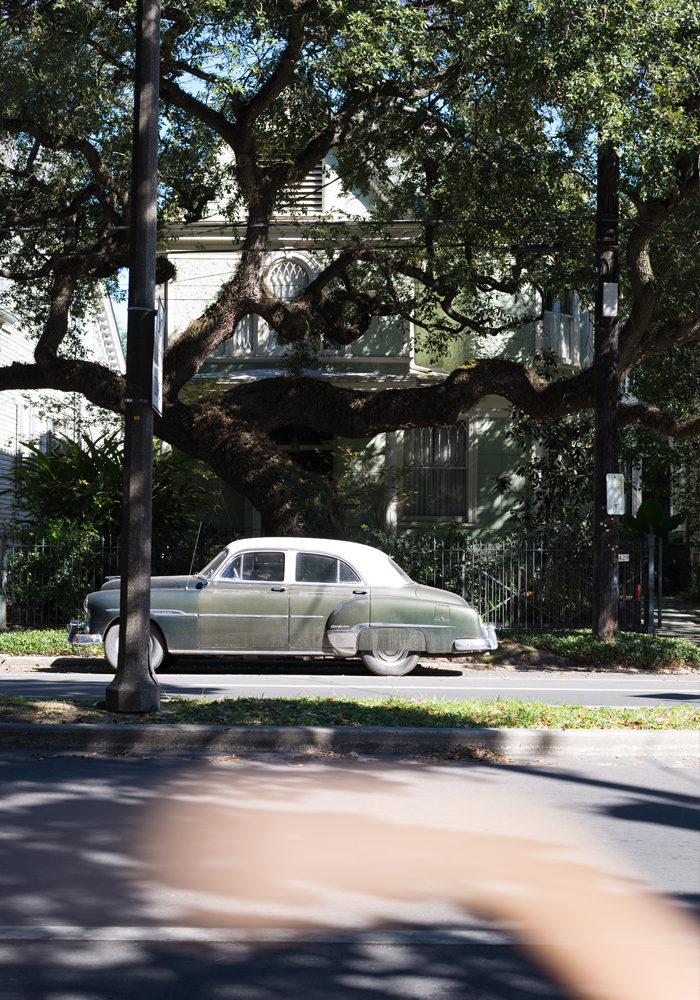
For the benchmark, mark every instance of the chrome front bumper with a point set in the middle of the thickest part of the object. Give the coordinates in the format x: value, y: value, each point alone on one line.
x: 80, y: 638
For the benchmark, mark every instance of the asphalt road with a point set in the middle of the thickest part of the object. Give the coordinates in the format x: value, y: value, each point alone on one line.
x: 81, y: 677
x: 142, y: 879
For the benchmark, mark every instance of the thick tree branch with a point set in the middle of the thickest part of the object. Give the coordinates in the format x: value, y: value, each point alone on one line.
x: 217, y: 121
x: 57, y: 213
x: 252, y: 463
x: 56, y: 327
x: 282, y: 74
x: 659, y: 421
x: 98, y: 384
x: 637, y: 336
x: 276, y: 403
x: 659, y: 337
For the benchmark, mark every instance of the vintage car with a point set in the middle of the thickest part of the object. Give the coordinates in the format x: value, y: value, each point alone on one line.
x: 295, y: 597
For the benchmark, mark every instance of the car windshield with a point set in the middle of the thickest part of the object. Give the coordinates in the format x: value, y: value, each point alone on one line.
x: 212, y: 566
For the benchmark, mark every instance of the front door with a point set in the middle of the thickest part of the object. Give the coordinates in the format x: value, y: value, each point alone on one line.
x: 246, y: 609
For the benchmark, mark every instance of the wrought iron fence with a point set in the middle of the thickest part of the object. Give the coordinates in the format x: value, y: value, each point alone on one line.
x: 513, y: 584
x: 536, y: 584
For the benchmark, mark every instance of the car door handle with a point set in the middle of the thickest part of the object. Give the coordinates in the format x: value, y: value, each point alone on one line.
x: 278, y: 590
x: 359, y: 591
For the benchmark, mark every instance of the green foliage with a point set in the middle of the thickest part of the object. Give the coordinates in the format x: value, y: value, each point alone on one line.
x: 368, y: 488
x: 650, y: 519
x: 478, y: 122
x: 43, y: 642
x: 50, y: 574
x: 552, y: 488
x: 630, y: 649
x: 428, y: 712
x: 479, y: 113
x: 80, y: 483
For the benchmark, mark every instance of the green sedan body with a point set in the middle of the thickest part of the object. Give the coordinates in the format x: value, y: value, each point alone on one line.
x: 292, y: 596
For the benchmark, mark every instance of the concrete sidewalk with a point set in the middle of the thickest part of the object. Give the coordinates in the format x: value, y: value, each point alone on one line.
x: 680, y: 620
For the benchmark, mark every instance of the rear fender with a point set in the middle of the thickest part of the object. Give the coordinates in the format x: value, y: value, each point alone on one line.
x: 346, y: 623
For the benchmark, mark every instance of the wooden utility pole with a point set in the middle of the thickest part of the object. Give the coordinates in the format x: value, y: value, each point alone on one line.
x: 605, y: 526
x: 135, y: 688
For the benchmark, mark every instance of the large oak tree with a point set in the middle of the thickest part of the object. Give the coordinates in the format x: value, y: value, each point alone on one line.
x: 472, y: 126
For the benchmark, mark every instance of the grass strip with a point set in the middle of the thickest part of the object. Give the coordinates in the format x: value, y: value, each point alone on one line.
x: 43, y: 642
x: 393, y: 712
x: 630, y: 649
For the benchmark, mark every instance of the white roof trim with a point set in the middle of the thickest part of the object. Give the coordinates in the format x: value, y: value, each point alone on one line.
x: 111, y: 341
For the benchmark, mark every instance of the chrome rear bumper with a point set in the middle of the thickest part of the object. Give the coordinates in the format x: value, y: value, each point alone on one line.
x: 487, y: 641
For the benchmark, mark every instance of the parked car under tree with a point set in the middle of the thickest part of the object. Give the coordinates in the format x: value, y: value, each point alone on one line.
x: 295, y: 597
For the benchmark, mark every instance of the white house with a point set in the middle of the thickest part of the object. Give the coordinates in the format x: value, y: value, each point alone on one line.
x: 22, y: 414
x: 430, y: 475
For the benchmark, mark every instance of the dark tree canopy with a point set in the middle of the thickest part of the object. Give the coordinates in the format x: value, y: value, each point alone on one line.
x: 474, y: 127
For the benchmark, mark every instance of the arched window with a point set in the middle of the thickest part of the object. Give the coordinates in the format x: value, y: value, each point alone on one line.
x: 253, y: 337
x: 286, y: 279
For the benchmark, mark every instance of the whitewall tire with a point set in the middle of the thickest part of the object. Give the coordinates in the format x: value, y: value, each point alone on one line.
x: 159, y: 655
x: 389, y: 662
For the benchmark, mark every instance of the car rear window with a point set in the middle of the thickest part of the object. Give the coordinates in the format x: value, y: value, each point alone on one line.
x: 323, y: 569
x: 346, y: 574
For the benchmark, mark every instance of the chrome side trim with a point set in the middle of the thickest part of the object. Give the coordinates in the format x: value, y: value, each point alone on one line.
x: 358, y: 628
x: 157, y: 613
x: 341, y: 629
x: 430, y: 625
x: 213, y: 615
x: 283, y: 651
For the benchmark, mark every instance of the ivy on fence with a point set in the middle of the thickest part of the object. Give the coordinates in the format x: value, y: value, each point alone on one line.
x: 46, y: 579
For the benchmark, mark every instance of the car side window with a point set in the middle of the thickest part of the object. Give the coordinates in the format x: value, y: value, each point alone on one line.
x: 347, y: 574
x: 323, y: 569
x: 316, y: 569
x: 263, y: 566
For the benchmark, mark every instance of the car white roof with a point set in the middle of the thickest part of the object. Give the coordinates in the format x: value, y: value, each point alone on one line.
x: 373, y: 565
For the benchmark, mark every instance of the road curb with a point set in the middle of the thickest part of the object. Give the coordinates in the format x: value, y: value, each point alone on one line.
x: 119, y: 738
